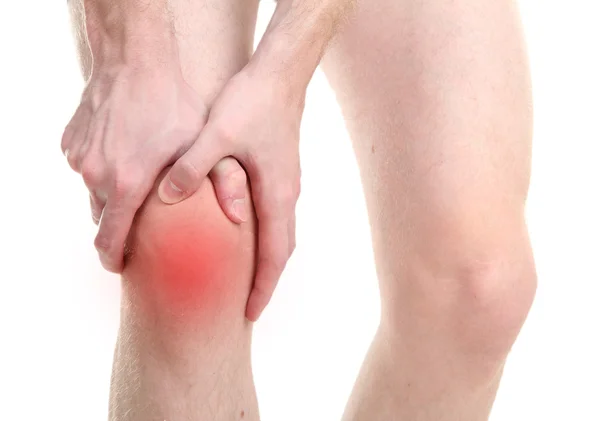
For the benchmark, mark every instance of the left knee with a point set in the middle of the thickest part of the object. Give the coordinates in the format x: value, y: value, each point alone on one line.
x: 491, y: 301
x: 473, y: 300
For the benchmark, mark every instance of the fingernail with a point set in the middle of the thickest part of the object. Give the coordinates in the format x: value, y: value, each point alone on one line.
x: 169, y: 192
x: 240, y: 210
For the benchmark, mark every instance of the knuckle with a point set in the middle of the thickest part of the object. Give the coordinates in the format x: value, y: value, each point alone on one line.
x: 225, y: 133
x: 237, y: 177
x: 276, y: 201
x: 108, y: 256
x: 102, y: 243
x: 73, y: 159
x: 66, y: 137
x: 288, y: 194
x: 127, y: 184
x: 91, y: 172
x: 186, y: 172
x: 262, y: 290
x: 276, y: 263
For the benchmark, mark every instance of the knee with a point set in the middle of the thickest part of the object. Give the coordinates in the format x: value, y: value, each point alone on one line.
x: 491, y: 302
x: 188, y: 260
x: 473, y: 299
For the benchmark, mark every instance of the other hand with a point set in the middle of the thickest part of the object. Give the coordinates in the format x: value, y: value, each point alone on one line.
x: 257, y: 122
x: 130, y: 124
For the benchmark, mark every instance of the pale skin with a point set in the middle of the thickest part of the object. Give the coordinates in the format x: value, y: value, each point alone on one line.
x: 436, y: 97
x: 183, y: 349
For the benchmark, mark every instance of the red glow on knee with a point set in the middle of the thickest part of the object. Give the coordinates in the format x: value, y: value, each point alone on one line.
x: 182, y: 255
x: 189, y: 263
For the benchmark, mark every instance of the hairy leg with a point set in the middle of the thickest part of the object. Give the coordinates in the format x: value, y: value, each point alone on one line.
x: 183, y: 351
x: 436, y: 97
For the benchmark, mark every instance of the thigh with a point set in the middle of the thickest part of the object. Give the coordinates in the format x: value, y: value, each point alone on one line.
x: 436, y: 96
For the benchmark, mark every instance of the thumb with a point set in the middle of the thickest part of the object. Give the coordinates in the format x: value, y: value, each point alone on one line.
x: 188, y: 172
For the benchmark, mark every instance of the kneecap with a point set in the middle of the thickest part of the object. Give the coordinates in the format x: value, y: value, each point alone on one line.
x: 189, y: 258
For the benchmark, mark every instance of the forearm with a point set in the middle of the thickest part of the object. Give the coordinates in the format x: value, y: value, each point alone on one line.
x: 213, y: 44
x: 138, y: 33
x: 297, y: 38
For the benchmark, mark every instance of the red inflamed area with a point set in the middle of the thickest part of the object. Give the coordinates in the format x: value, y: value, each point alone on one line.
x: 188, y: 258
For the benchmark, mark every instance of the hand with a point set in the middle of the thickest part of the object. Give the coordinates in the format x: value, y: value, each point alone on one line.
x: 129, y: 126
x: 256, y: 122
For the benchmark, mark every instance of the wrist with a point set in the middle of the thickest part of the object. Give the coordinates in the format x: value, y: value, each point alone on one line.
x: 275, y: 63
x: 296, y: 39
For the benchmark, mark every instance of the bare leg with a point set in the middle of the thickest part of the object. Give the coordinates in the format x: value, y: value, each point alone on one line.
x: 436, y: 97
x: 183, y: 351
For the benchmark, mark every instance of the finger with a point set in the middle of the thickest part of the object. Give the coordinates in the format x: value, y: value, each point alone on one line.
x: 273, y: 246
x: 292, y: 234
x: 93, y: 172
x: 115, y: 222
x: 68, y: 133
x: 188, y: 172
x: 229, y: 180
x: 74, y: 136
x: 73, y: 153
x: 67, y: 138
x: 97, y: 206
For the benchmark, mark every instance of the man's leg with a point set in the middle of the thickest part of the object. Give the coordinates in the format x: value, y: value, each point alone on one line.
x: 436, y: 96
x: 183, y: 351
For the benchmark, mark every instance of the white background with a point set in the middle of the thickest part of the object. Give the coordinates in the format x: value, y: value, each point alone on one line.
x: 59, y: 310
